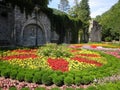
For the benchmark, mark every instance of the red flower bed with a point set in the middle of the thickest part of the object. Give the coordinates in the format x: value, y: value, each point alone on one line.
x: 25, y: 51
x: 20, y: 56
x: 89, y: 55
x: 58, y: 64
x: 74, y: 51
x: 93, y: 46
x: 87, y: 61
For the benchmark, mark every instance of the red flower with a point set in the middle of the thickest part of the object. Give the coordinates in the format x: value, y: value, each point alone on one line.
x: 87, y: 61
x: 20, y: 56
x: 88, y: 55
x: 58, y: 64
x: 93, y: 46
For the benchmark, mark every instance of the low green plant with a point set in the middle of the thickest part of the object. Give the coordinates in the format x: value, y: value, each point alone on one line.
x: 20, y: 76
x: 28, y: 77
x: 79, y: 88
x: 25, y: 88
x: 5, y: 73
x: 70, y: 89
x: 46, y: 79
x: 92, y: 88
x: 56, y: 88
x: 68, y: 81
x: 12, y: 88
x: 77, y: 81
x: 13, y: 74
x: 37, y: 78
x: 40, y: 88
x: 85, y: 80
x: 58, y: 80
x: 108, y: 39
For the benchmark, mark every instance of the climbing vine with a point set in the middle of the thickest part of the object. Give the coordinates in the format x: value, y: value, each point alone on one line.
x: 62, y: 23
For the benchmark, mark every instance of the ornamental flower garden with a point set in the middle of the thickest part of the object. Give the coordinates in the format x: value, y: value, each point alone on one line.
x: 76, y: 64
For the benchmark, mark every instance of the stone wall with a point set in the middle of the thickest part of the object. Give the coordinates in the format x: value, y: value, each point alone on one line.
x: 6, y: 26
x: 32, y: 31
x: 94, y: 31
x: 35, y: 30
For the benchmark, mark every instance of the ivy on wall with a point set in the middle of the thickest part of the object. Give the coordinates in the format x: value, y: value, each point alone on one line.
x: 62, y: 23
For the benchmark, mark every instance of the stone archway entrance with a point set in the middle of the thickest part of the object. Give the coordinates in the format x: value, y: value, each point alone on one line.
x: 32, y: 35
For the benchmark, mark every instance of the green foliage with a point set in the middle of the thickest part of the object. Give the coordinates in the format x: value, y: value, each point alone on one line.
x: 58, y: 80
x: 91, y: 88
x: 63, y: 24
x: 64, y: 5
x: 54, y: 50
x: 79, y: 88
x: 28, y: 77
x: 55, y: 88
x: 25, y: 88
x: 5, y: 73
x: 68, y: 81
x: 27, y: 5
x: 20, y: 76
x: 37, y: 78
x: 46, y: 79
x: 110, y: 22
x: 77, y: 81
x: 70, y: 89
x: 40, y: 88
x: 85, y: 80
x: 12, y: 88
x: 108, y: 39
x: 81, y: 11
x: 13, y: 74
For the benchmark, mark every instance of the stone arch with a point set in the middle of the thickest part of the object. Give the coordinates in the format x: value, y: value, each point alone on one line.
x: 30, y: 33
x: 43, y: 24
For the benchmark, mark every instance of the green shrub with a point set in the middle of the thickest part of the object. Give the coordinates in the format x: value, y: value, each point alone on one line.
x: 13, y: 74
x: 37, y: 78
x: 70, y: 89
x: 85, y: 80
x: 28, y: 77
x: 40, y: 88
x: 77, y: 81
x: 20, y: 76
x: 26, y: 88
x: 5, y: 73
x: 55, y: 88
x: 80, y: 89
x: 46, y: 79
x: 68, y: 80
x: 12, y: 88
x: 58, y: 80
x: 108, y: 39
x: 91, y: 88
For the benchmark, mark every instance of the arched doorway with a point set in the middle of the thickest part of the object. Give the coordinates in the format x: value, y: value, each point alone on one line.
x: 33, y: 35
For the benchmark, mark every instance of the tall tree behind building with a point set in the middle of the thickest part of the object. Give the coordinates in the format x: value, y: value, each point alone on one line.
x: 64, y: 5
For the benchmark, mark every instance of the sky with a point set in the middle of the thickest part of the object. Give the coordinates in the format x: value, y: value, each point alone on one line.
x: 97, y: 7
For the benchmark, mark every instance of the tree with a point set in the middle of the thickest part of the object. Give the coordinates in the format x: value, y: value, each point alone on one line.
x: 84, y: 11
x: 64, y: 5
x: 110, y: 22
x: 27, y: 5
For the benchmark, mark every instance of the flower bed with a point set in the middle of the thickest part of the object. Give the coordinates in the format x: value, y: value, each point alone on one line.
x: 57, y: 64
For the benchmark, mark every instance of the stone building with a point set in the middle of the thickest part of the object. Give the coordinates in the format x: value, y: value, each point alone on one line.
x: 95, y: 31
x: 16, y: 29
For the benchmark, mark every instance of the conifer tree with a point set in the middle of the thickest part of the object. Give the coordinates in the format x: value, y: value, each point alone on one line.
x: 64, y: 5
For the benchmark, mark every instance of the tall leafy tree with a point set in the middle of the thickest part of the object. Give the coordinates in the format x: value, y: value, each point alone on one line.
x: 27, y: 5
x: 84, y: 11
x: 64, y: 5
x: 110, y: 21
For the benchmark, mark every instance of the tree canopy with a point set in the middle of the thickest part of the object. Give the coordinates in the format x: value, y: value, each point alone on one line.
x: 110, y: 22
x: 27, y: 5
